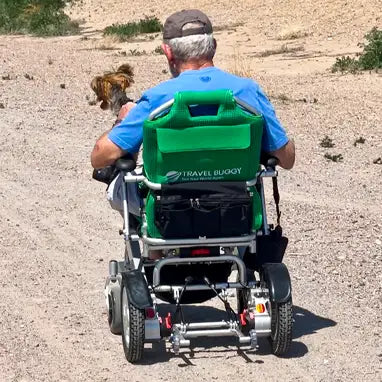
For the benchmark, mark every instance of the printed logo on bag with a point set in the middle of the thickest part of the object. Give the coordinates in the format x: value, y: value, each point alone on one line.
x: 196, y: 175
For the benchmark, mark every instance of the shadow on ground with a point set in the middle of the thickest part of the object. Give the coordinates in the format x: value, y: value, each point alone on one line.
x: 306, y: 323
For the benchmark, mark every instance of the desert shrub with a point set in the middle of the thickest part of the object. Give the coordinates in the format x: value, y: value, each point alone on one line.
x: 327, y: 142
x: 345, y: 64
x: 334, y: 157
x: 129, y: 30
x: 158, y: 50
x: 39, y: 17
x: 360, y: 140
x: 369, y: 59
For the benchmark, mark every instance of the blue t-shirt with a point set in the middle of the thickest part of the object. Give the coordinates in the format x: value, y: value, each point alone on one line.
x: 128, y: 134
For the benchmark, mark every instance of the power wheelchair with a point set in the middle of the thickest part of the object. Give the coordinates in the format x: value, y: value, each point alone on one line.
x: 204, y: 211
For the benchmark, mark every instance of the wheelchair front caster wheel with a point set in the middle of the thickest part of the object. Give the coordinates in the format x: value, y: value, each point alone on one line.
x: 114, y: 308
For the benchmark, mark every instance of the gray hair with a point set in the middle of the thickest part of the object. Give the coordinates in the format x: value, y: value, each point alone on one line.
x: 200, y: 46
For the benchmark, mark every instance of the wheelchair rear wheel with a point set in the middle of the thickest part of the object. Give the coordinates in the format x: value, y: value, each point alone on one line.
x: 133, y: 328
x: 281, y: 326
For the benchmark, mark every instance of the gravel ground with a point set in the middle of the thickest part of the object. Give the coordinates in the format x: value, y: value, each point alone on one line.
x: 59, y: 234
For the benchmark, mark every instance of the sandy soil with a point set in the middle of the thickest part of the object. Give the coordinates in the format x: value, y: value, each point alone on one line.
x: 58, y: 233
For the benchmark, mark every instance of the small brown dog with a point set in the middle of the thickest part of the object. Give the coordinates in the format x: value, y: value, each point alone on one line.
x: 110, y: 88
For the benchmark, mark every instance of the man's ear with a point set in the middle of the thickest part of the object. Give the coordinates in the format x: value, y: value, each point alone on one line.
x: 215, y: 43
x: 168, y: 52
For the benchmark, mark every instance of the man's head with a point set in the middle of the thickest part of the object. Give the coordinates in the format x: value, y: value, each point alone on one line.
x: 188, y: 41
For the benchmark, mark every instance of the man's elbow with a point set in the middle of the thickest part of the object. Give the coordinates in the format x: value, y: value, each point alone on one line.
x: 286, y: 155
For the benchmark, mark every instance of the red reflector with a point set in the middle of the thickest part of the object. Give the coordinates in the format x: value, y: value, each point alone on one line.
x: 200, y: 252
x: 150, y: 313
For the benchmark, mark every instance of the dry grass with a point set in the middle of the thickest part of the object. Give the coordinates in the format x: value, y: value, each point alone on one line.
x: 283, y: 49
x: 292, y: 33
x: 107, y: 43
x: 242, y: 67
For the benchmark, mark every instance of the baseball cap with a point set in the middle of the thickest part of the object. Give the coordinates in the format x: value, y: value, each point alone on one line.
x: 173, y: 26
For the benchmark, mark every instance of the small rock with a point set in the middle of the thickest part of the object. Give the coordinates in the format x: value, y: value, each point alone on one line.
x: 377, y: 160
x: 2, y: 106
x: 28, y: 76
x: 6, y: 77
x: 378, y: 242
x: 62, y: 86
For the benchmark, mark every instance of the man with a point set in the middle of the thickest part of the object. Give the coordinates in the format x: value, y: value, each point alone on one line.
x: 189, y: 47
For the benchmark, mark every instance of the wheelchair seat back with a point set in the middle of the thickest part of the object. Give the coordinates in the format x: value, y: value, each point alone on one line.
x: 182, y: 146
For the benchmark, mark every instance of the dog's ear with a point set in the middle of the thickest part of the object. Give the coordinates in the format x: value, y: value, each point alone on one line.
x: 95, y: 84
x: 128, y: 70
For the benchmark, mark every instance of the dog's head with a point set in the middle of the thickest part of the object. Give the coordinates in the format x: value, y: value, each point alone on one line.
x: 110, y: 88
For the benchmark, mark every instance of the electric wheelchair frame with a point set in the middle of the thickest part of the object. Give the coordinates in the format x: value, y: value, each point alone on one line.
x: 195, y: 267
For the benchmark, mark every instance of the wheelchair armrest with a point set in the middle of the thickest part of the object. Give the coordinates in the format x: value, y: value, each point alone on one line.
x: 271, y: 164
x: 126, y: 163
x: 268, y: 161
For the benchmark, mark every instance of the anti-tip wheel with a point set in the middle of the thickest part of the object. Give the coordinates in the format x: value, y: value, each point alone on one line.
x: 114, y: 308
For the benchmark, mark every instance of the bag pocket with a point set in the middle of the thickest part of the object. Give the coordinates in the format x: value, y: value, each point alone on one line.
x: 236, y: 217
x: 173, y: 217
x: 206, y: 218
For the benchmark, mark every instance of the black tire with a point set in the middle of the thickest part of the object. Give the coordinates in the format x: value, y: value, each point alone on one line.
x: 114, y: 311
x: 133, y: 328
x: 281, y: 327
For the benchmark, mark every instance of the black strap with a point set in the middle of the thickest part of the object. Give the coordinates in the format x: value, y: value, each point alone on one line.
x: 276, y: 197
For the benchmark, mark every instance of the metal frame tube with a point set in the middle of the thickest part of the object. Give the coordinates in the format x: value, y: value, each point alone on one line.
x: 265, y: 220
x: 171, y: 288
x: 222, y: 241
x: 126, y: 228
x: 160, y: 109
x: 211, y: 333
x: 129, y: 178
x: 205, y: 325
x: 199, y: 260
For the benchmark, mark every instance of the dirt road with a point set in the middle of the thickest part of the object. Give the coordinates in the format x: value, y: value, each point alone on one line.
x: 58, y: 233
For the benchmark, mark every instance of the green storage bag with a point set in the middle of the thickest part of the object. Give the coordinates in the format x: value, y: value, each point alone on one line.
x: 223, y: 147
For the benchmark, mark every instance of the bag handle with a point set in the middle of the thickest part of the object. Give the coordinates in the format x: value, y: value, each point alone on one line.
x: 180, y: 112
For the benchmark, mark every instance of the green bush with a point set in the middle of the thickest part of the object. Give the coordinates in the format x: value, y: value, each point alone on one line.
x: 129, y: 30
x: 39, y: 17
x: 369, y: 59
x: 345, y: 64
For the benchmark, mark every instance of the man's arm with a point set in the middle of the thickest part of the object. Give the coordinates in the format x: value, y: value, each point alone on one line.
x: 286, y: 155
x: 105, y: 152
x: 275, y: 141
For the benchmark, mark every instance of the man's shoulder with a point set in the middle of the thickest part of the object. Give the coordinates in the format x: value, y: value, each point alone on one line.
x: 166, y: 90
x: 163, y: 87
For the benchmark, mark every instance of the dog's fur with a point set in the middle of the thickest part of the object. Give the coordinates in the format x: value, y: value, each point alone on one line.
x: 110, y: 88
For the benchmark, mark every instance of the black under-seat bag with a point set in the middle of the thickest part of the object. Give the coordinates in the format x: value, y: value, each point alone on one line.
x: 214, y: 209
